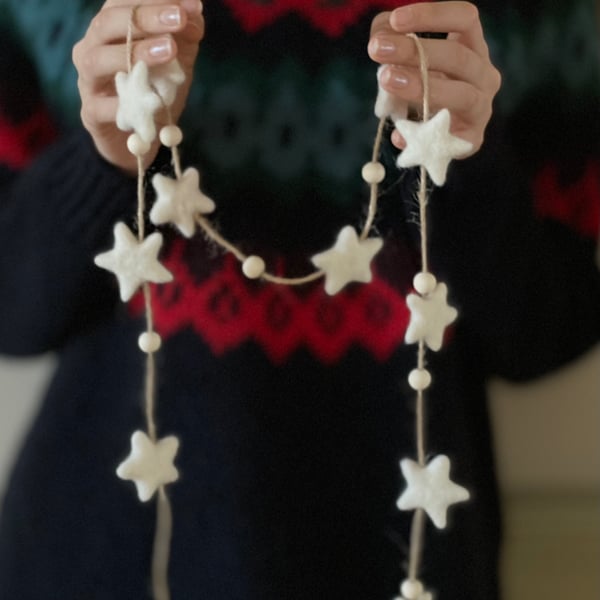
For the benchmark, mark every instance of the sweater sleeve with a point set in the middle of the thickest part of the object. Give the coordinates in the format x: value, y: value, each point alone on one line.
x: 527, y: 286
x: 54, y: 217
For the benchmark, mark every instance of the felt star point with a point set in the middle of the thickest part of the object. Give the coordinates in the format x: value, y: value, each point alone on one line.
x: 348, y: 260
x: 431, y: 145
x: 429, y: 317
x: 138, y: 102
x: 133, y: 262
x: 430, y: 488
x: 165, y: 79
x: 150, y: 464
x: 179, y: 200
x: 388, y: 105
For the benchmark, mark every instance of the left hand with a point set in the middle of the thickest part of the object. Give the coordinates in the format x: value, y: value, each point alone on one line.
x: 461, y: 75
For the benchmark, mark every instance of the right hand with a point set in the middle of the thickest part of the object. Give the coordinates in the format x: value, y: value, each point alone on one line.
x: 102, y: 53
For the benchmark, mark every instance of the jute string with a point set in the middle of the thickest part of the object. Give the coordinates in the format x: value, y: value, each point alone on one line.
x: 164, y: 520
x: 163, y: 533
x: 417, y: 534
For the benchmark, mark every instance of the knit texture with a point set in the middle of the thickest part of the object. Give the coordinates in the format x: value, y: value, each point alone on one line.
x: 292, y: 406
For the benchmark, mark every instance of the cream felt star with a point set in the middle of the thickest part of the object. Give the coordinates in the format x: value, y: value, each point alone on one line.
x: 423, y: 596
x: 179, y: 200
x: 138, y: 102
x: 348, y: 260
x: 149, y: 464
x: 431, y: 145
x: 429, y: 317
x: 388, y: 105
x: 430, y: 488
x: 133, y: 262
x: 165, y: 79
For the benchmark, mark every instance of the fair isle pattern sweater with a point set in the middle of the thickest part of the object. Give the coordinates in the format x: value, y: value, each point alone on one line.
x: 292, y: 407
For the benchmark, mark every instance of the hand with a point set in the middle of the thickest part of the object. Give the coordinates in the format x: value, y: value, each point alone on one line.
x: 163, y: 30
x: 462, y: 78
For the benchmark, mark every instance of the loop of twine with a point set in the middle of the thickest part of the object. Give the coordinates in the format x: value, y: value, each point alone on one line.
x: 163, y: 532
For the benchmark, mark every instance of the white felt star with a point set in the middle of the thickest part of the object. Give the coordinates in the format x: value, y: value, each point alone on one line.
x: 430, y: 488
x: 149, y: 464
x: 388, y: 105
x: 348, y: 260
x: 423, y: 596
x: 137, y: 102
x: 431, y: 145
x: 429, y: 317
x: 165, y: 79
x: 179, y: 200
x: 133, y: 262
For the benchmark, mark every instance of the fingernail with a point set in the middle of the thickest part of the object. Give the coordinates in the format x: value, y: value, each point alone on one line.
x: 192, y: 7
x: 170, y: 16
x: 381, y: 48
x: 394, y: 77
x: 401, y: 16
x: 160, y: 48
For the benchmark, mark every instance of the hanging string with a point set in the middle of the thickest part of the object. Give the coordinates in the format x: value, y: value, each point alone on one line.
x: 212, y: 233
x: 164, y: 520
x: 162, y: 547
x: 164, y: 524
x: 417, y: 535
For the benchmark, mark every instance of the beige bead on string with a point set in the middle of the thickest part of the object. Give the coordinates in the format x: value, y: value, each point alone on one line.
x: 254, y: 267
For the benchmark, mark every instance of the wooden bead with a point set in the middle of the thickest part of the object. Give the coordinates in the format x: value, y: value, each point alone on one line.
x: 419, y: 379
x: 253, y: 267
x: 424, y: 283
x: 149, y: 342
x: 136, y: 145
x: 373, y: 172
x: 170, y: 136
x: 411, y: 589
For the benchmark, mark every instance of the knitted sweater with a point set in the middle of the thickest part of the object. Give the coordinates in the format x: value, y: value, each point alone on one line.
x: 292, y: 407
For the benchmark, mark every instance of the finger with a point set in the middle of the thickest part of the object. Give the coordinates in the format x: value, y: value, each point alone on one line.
x: 103, y: 62
x: 464, y: 101
x: 111, y: 24
x: 449, y: 57
x: 99, y: 111
x: 444, y: 17
x: 381, y: 23
x: 398, y: 140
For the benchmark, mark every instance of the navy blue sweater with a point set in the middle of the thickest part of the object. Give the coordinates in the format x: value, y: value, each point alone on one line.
x: 292, y: 407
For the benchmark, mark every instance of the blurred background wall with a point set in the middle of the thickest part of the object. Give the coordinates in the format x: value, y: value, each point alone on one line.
x: 548, y: 447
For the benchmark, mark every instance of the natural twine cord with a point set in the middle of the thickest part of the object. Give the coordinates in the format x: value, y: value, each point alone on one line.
x: 211, y: 232
x: 164, y: 519
x: 417, y: 534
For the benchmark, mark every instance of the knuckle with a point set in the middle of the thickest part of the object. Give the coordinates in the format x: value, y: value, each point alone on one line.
x: 471, y: 12
x: 462, y: 58
x: 496, y: 80
x: 76, y: 53
x: 99, y: 21
x: 477, y: 141
x: 88, y: 63
x: 85, y: 116
x: 471, y: 100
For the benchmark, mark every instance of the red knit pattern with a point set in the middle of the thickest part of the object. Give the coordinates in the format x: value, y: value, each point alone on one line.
x: 21, y: 142
x: 576, y: 205
x: 332, y: 17
x: 227, y: 310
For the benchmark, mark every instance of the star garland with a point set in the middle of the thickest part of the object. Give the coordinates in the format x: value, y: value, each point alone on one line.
x: 142, y: 91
